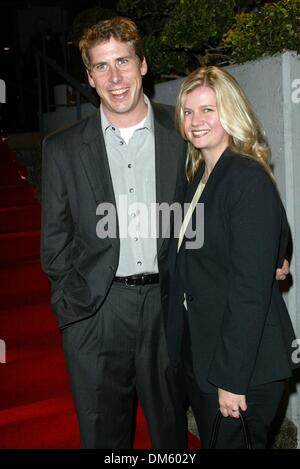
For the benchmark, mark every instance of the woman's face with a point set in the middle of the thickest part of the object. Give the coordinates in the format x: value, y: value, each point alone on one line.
x: 202, y: 124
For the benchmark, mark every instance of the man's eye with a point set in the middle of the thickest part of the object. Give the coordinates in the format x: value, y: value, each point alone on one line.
x: 101, y: 67
x: 123, y: 61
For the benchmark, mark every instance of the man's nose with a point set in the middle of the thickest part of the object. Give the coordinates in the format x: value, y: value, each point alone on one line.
x: 115, y: 74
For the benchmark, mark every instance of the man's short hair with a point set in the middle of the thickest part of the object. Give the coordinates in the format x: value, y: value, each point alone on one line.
x: 120, y: 28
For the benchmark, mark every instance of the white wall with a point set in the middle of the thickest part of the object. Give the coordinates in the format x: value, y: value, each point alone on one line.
x: 65, y: 116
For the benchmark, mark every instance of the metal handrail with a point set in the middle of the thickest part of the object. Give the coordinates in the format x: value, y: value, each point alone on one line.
x: 80, y: 90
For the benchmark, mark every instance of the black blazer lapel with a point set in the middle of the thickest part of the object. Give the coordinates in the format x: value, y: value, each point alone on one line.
x: 95, y: 162
x: 218, y: 172
x: 165, y: 163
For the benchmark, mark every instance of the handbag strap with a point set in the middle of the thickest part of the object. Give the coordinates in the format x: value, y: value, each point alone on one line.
x: 216, y: 428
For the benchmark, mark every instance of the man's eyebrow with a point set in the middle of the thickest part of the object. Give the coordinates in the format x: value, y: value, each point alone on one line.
x: 103, y: 62
x: 98, y: 63
x: 124, y: 57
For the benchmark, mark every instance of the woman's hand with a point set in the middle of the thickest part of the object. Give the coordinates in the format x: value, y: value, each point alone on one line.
x: 283, y: 271
x: 230, y: 404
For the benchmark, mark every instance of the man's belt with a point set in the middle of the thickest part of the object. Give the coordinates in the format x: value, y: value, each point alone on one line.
x: 137, y: 280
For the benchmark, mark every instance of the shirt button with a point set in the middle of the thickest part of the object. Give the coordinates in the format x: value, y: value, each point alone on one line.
x: 136, y: 239
x: 121, y: 142
x: 133, y: 215
x: 113, y: 128
x: 131, y: 190
x: 139, y: 263
x: 129, y: 166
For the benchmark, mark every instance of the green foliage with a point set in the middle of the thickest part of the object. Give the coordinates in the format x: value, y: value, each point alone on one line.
x: 194, y: 24
x: 150, y: 15
x: 180, y: 34
x: 163, y: 62
x: 273, y: 28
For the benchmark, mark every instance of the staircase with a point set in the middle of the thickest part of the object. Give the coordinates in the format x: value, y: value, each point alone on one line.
x: 36, y: 409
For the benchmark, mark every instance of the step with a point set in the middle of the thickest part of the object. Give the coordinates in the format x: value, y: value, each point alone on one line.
x: 48, y: 423
x: 19, y: 247
x: 20, y: 194
x: 9, y: 174
x: 7, y: 155
x: 22, y: 285
x: 20, y: 218
x: 41, y: 408
x: 36, y: 331
x: 23, y: 141
x: 34, y: 365
x: 44, y: 375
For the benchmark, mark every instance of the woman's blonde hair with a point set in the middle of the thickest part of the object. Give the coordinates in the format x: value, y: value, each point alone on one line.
x: 237, y: 117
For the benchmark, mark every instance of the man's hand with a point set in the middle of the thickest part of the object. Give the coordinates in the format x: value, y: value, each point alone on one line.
x: 283, y: 271
x: 230, y: 404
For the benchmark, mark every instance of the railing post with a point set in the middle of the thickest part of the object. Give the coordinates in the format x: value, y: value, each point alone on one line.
x: 46, y: 78
x: 80, y: 90
x: 39, y: 85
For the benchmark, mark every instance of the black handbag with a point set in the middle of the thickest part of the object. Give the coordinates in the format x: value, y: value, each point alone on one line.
x: 216, y: 427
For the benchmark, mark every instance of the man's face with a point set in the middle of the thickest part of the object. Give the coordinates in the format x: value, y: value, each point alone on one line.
x: 116, y: 74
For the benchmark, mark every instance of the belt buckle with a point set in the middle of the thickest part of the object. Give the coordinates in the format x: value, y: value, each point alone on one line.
x: 130, y: 282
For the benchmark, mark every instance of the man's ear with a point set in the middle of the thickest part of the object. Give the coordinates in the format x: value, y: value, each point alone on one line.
x: 91, y: 81
x: 144, y: 67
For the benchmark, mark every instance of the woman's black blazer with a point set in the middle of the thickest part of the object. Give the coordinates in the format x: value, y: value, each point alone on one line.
x: 241, y: 333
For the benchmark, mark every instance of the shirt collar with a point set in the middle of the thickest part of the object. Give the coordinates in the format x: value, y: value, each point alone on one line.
x: 148, y: 124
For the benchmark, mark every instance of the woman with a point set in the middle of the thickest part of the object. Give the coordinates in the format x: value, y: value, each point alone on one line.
x: 237, y: 334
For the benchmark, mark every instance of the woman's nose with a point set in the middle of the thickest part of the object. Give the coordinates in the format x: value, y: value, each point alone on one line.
x: 198, y: 119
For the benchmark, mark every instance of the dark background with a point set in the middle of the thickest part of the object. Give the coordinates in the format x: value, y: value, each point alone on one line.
x: 21, y: 25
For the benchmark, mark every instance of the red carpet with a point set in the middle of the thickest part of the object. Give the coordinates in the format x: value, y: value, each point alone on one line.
x: 36, y: 408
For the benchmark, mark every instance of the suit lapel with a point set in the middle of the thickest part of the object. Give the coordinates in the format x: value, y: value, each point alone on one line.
x: 165, y: 171
x: 95, y: 162
x: 217, y: 174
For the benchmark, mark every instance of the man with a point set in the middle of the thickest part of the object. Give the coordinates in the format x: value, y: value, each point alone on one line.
x: 109, y: 293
